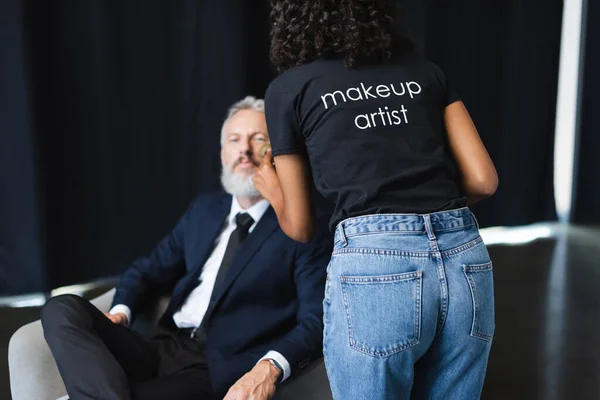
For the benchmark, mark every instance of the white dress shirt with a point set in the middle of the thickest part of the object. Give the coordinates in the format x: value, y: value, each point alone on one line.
x: 194, y: 307
x: 192, y: 311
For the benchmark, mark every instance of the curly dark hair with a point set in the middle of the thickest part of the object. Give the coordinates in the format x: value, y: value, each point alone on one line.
x: 305, y: 30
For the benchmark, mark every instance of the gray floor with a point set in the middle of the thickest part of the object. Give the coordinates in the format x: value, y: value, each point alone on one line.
x: 546, y: 344
x: 547, y: 315
x: 12, y: 319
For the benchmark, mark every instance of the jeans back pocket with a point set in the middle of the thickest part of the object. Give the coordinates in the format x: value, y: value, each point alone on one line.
x: 481, y: 282
x: 383, y: 312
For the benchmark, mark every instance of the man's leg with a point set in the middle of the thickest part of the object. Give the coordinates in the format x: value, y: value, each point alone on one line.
x: 193, y: 385
x: 96, y: 358
x: 183, y: 371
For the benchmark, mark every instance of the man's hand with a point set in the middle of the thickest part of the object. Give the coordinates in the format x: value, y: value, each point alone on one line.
x: 258, y: 384
x: 118, y: 318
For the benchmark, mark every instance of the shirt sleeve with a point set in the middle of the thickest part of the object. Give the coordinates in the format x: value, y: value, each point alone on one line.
x: 282, y: 124
x: 275, y: 355
x: 122, y: 308
x: 449, y: 93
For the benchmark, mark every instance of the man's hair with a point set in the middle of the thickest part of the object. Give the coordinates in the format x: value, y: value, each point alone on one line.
x: 304, y: 31
x: 247, y: 103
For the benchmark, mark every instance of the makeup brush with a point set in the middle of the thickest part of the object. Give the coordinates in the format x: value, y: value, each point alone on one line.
x: 263, y: 150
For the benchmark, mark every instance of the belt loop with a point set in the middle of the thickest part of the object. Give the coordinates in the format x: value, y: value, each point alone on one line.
x: 343, y: 235
x: 475, y: 220
x: 428, y: 227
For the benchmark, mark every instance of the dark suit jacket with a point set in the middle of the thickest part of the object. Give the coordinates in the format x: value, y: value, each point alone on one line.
x: 272, y: 296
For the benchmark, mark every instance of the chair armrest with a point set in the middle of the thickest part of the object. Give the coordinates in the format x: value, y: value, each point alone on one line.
x: 104, y: 301
x: 311, y: 383
x: 33, y: 372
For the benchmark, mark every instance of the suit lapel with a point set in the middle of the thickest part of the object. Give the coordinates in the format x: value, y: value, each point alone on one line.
x: 264, y: 229
x: 209, y: 231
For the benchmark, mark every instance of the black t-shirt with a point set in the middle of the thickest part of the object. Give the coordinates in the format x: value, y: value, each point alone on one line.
x: 374, y: 135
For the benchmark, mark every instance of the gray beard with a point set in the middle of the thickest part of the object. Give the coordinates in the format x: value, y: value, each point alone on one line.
x: 237, y: 184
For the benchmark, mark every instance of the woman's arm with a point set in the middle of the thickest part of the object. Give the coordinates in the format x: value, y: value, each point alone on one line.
x: 477, y: 172
x: 288, y: 190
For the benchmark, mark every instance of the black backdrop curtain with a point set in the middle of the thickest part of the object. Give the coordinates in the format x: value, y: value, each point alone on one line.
x: 127, y: 100
x: 22, y: 267
x: 586, y: 202
x: 502, y: 56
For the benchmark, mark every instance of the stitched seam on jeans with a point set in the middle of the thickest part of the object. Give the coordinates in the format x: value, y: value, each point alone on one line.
x: 482, y: 336
x: 463, y: 247
x: 480, y: 267
x: 380, y: 278
x: 441, y: 269
x: 475, y: 303
x: 402, y: 253
x: 418, y: 310
x: 347, y: 309
x: 403, y: 232
x: 474, y: 332
x: 382, y: 252
x: 381, y: 354
x: 454, y: 228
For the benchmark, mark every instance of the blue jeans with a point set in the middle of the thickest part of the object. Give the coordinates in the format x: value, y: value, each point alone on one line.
x: 409, y: 307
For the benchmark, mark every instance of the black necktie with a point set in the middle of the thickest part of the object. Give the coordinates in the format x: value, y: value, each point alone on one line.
x: 243, y: 221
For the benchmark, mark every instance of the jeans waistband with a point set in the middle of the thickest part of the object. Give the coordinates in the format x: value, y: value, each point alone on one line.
x: 424, y: 223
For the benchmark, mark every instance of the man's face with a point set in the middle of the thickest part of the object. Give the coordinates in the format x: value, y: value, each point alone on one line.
x: 244, y: 134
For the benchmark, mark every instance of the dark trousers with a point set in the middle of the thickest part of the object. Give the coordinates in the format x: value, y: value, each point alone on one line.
x: 100, y: 360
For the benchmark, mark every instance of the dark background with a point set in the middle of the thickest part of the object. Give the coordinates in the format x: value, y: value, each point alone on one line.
x: 111, y: 112
x: 587, y: 194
